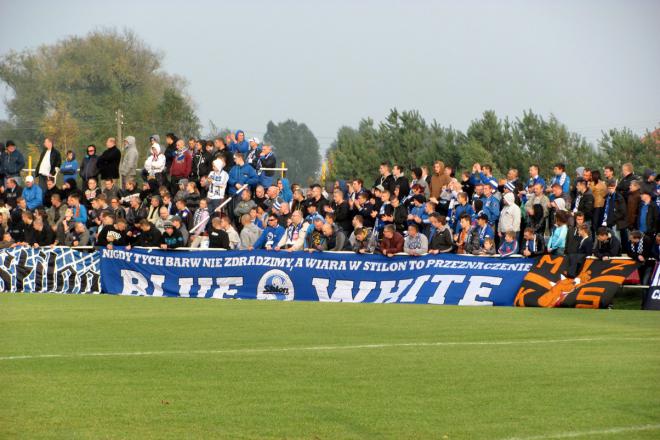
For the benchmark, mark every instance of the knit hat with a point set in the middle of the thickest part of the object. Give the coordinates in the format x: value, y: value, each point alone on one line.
x: 493, y: 183
x: 510, y: 186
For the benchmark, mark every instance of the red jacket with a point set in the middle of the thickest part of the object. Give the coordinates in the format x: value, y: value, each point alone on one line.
x: 181, y: 165
x: 392, y: 245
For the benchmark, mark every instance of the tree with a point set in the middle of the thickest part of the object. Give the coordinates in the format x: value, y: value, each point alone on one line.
x: 471, y: 152
x: 91, y: 77
x: 296, y: 145
x: 622, y: 146
x: 59, y: 125
x: 355, y: 153
x: 176, y: 114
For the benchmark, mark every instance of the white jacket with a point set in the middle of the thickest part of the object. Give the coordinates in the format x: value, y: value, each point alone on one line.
x: 156, y: 165
x: 510, y: 215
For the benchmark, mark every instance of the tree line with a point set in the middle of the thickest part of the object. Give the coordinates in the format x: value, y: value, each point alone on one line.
x: 405, y: 138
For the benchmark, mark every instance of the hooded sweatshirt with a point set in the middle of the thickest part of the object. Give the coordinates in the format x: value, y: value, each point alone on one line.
x: 129, y: 159
x: 69, y: 168
x: 217, y: 181
x: 286, y: 193
x: 155, y: 163
x: 240, y: 147
x: 510, y: 215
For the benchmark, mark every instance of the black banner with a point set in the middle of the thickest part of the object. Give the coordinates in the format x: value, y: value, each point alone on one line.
x: 548, y: 285
x: 652, y: 301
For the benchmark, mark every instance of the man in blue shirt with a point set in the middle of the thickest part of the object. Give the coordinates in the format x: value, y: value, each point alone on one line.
x: 560, y: 178
x: 239, y: 144
x: 491, y: 203
x: 484, y: 229
x: 271, y: 235
x: 648, y: 218
x: 240, y: 174
x: 33, y: 195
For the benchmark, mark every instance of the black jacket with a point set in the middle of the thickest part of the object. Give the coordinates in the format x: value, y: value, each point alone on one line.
x: 108, y: 163
x: 536, y: 246
x: 172, y: 241
x: 218, y: 239
x: 45, y: 237
x: 404, y: 186
x: 624, y: 185
x: 89, y: 169
x: 267, y: 162
x: 586, y: 246
x: 386, y: 182
x: 150, y: 238
x: 201, y: 165
x: 441, y: 241
x: 646, y: 250
x: 55, y: 160
x: 585, y: 203
x: 573, y: 240
x: 343, y: 215
x: 609, y: 248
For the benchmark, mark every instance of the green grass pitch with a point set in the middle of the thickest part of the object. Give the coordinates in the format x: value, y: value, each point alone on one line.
x: 108, y: 367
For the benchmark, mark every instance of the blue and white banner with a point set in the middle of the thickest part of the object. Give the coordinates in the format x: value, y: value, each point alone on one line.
x: 347, y: 277
x: 52, y: 270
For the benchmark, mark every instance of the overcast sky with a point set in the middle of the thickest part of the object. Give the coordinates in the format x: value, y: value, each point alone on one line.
x: 594, y: 64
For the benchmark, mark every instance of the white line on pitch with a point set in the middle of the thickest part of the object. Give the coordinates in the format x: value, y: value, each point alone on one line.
x: 312, y: 348
x: 574, y: 434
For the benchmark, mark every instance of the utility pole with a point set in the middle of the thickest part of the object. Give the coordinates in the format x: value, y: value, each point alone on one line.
x: 120, y: 139
x: 120, y: 123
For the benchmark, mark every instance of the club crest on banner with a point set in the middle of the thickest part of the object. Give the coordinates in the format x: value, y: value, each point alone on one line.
x: 275, y: 285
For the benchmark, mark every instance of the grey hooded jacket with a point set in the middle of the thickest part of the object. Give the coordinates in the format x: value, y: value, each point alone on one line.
x: 129, y: 158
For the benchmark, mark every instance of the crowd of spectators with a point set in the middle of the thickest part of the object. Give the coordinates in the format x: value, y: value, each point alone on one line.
x: 225, y: 193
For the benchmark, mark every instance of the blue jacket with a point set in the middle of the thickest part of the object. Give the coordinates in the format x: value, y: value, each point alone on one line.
x: 459, y: 210
x: 33, y: 196
x: 240, y: 147
x: 418, y: 211
x: 479, y: 178
x: 538, y: 179
x: 82, y: 214
x: 286, y: 194
x: 485, y: 232
x: 69, y: 168
x: 11, y: 164
x: 564, y: 181
x: 242, y: 174
x: 492, y: 209
x: 270, y: 236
